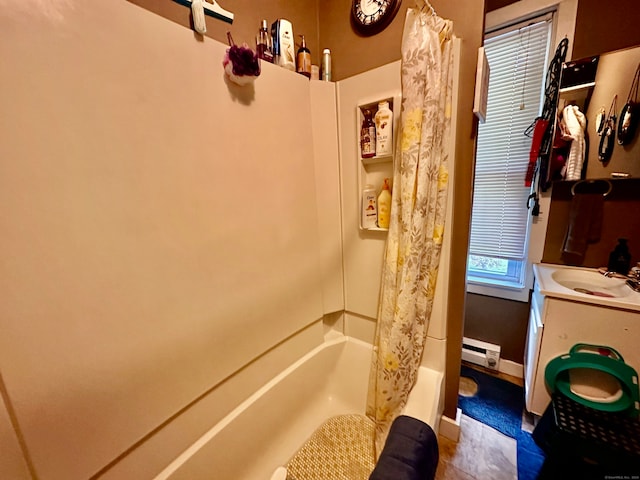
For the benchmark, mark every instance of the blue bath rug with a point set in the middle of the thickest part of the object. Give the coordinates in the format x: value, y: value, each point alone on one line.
x: 500, y: 404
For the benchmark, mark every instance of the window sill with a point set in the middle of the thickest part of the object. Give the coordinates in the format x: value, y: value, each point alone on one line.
x: 491, y: 289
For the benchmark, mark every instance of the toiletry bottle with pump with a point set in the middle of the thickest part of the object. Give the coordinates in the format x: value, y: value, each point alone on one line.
x: 264, y: 47
x: 384, y: 128
x: 367, y: 136
x: 369, y: 207
x: 326, y: 65
x: 620, y: 258
x: 384, y: 205
x: 303, y: 59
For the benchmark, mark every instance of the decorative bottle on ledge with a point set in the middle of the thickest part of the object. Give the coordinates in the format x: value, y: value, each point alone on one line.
x: 368, y: 136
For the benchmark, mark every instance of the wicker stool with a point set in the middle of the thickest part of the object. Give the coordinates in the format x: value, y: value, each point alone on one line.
x: 581, y: 442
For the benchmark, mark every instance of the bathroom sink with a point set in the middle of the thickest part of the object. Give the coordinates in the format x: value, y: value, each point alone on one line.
x: 591, y: 282
x: 584, y: 285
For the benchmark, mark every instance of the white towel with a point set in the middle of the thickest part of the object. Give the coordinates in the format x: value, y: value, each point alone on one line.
x: 575, y: 123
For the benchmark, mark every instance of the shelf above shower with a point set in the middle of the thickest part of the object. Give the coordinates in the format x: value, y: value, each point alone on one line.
x: 374, y: 160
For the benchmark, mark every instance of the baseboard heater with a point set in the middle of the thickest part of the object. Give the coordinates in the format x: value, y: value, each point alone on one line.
x: 481, y: 353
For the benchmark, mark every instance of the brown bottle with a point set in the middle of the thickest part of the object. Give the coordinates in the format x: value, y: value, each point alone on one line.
x: 303, y: 63
x: 368, y: 136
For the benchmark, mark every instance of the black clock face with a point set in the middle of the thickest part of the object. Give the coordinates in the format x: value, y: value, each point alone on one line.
x: 371, y: 16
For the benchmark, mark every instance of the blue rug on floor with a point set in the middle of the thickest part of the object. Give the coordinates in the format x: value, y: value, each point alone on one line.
x: 500, y: 404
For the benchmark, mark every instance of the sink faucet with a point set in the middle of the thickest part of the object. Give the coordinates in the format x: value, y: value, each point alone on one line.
x: 634, y: 279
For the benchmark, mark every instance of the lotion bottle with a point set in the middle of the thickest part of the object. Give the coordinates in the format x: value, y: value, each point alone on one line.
x: 369, y: 207
x: 384, y: 205
x: 384, y: 128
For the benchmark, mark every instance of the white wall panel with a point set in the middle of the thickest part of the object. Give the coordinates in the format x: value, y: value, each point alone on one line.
x: 159, y: 225
x: 324, y: 121
x: 363, y: 250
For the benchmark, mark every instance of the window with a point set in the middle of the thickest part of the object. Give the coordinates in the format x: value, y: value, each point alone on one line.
x: 518, y: 58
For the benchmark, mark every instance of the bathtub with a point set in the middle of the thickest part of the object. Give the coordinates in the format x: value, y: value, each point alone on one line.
x: 266, y: 430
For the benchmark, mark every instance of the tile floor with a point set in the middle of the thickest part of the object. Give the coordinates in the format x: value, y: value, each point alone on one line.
x: 481, y: 453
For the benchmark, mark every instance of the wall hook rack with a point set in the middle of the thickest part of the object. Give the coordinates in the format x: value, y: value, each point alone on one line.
x: 211, y: 9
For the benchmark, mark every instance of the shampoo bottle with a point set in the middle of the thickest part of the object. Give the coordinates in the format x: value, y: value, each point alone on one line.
x: 303, y: 57
x: 384, y: 127
x: 367, y: 136
x: 384, y: 205
x: 369, y: 207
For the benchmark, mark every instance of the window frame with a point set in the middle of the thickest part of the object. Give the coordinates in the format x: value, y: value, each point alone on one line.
x: 565, y: 13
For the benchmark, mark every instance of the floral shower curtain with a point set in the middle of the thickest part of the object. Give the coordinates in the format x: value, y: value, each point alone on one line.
x: 417, y: 215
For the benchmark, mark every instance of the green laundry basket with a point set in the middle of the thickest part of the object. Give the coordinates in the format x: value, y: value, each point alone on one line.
x: 602, y: 359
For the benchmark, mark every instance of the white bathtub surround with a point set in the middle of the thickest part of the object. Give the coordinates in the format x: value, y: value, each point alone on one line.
x: 418, y: 215
x: 281, y: 416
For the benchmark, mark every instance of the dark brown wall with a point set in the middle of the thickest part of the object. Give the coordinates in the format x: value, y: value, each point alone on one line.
x: 606, y: 26
x: 600, y: 26
x: 498, y: 321
x: 621, y: 218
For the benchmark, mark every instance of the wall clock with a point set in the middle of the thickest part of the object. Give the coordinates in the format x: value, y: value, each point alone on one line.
x: 372, y: 16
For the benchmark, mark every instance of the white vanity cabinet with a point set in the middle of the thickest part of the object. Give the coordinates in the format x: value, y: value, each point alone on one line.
x: 559, y: 320
x: 532, y: 348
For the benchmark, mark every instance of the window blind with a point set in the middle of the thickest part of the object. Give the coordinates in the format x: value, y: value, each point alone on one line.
x: 517, y: 61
